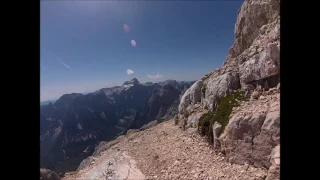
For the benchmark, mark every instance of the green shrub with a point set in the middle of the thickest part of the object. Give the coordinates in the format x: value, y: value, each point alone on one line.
x: 221, y: 114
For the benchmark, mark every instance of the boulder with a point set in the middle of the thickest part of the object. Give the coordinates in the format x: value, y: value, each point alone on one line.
x: 255, y: 95
x: 191, y: 96
x: 193, y: 118
x: 219, y: 86
x: 250, y: 138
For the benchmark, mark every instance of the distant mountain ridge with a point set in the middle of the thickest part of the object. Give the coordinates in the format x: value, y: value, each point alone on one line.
x: 72, y: 126
x: 46, y: 102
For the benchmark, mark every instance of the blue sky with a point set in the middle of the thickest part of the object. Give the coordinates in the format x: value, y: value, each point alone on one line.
x: 84, y: 46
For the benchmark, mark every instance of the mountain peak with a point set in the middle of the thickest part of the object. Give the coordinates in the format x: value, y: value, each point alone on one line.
x: 132, y: 82
x: 135, y: 81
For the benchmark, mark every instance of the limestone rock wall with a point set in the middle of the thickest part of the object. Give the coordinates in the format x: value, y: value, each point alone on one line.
x: 252, y: 61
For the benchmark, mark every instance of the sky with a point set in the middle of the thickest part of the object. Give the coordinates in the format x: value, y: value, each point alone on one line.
x: 89, y: 45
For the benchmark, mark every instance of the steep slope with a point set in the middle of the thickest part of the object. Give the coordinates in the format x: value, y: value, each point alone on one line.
x: 72, y: 126
x: 252, y: 68
x: 162, y: 105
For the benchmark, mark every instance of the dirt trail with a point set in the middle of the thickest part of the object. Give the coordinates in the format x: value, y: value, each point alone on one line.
x: 164, y: 152
x: 114, y: 166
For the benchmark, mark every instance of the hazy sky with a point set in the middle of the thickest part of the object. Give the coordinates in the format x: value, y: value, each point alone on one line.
x: 89, y: 45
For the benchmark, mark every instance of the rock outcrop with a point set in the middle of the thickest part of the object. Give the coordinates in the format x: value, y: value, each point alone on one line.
x: 246, y: 65
x: 192, y: 120
x: 253, y: 132
x: 254, y: 58
x: 217, y: 87
x: 261, y: 66
x: 252, y: 65
x: 191, y: 96
x: 252, y: 15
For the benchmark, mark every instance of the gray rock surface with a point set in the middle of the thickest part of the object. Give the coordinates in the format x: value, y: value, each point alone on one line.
x: 216, y: 129
x: 261, y: 66
x: 254, y: 57
x: 219, y: 86
x: 191, y: 96
x: 274, y: 170
x: 253, y: 132
x: 193, y: 118
x: 254, y: 129
x: 117, y: 165
x: 252, y: 15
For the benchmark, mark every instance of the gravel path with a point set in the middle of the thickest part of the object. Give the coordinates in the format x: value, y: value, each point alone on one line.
x: 164, y: 152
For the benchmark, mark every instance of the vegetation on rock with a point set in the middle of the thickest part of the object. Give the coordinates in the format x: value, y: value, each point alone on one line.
x: 221, y: 114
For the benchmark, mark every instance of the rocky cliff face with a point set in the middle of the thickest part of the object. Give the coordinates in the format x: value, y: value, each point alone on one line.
x: 252, y: 66
x: 74, y: 125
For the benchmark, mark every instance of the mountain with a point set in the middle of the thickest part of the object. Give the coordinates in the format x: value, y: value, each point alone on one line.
x: 228, y: 126
x: 72, y: 126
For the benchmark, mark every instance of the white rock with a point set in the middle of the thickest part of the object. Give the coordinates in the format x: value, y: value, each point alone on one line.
x: 191, y: 96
